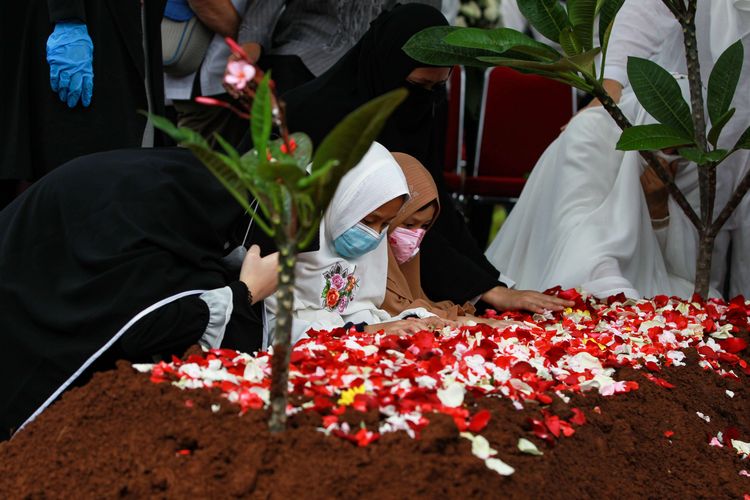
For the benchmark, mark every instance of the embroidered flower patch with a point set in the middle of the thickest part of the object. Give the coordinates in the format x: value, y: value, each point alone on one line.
x: 340, y: 285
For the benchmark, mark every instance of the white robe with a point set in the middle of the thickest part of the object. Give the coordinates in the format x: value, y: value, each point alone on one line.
x: 582, y: 219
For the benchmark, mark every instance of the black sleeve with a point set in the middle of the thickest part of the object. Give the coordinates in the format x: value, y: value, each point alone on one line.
x: 60, y: 10
x: 244, y: 331
x: 453, y: 266
x: 171, y: 329
x: 448, y: 274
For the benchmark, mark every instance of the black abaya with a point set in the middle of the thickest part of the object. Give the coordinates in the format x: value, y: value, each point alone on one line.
x: 94, y: 243
x: 376, y: 65
x: 40, y: 132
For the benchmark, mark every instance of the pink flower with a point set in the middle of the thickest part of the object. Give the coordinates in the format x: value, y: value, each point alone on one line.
x: 239, y: 73
x: 337, y: 281
x: 343, y: 303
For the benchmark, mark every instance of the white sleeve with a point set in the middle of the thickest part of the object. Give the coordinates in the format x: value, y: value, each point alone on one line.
x: 220, y: 305
x: 511, y: 17
x: 638, y: 31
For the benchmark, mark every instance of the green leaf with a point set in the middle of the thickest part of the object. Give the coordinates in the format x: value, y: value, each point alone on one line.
x: 716, y: 155
x: 608, y: 9
x: 301, y: 154
x: 566, y: 64
x: 723, y: 81
x: 691, y: 154
x: 696, y: 156
x: 500, y: 41
x: 744, y: 141
x: 660, y: 94
x: 547, y: 16
x: 569, y: 42
x: 285, y: 170
x: 428, y: 46
x: 181, y: 135
x: 323, y: 171
x: 231, y: 152
x: 718, y: 126
x: 349, y: 141
x: 260, y: 124
x: 649, y: 137
x: 581, y: 14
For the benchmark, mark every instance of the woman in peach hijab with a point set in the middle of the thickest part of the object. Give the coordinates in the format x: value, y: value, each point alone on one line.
x: 404, y: 289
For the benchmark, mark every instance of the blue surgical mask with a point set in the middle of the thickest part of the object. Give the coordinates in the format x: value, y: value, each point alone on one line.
x: 357, y: 241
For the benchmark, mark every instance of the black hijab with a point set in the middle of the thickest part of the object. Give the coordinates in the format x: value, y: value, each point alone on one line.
x: 95, y: 242
x: 375, y: 65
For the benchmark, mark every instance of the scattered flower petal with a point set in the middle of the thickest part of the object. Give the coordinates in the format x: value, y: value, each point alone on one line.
x: 526, y: 446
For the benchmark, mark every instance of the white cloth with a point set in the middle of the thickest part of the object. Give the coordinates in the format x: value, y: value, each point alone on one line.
x: 577, y: 224
x: 211, y: 70
x: 730, y: 21
x: 645, y: 29
x: 582, y: 219
x: 376, y: 180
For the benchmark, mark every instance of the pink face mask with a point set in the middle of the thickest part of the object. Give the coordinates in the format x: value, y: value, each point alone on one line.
x: 405, y: 243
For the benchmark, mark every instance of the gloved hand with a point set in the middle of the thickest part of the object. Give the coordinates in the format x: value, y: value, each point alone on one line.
x: 70, y: 54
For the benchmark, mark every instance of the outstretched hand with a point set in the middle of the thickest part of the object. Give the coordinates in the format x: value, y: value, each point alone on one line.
x: 504, y: 299
x: 410, y: 326
x: 260, y: 274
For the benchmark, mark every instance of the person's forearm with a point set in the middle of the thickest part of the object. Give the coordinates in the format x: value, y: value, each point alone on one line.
x: 219, y: 15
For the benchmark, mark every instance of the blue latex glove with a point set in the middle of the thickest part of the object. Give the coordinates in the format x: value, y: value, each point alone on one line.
x: 70, y: 54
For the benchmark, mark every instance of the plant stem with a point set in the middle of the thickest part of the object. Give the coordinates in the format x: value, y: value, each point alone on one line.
x: 703, y: 264
x: 706, y: 170
x: 706, y: 173
x: 675, y: 8
x: 282, y: 335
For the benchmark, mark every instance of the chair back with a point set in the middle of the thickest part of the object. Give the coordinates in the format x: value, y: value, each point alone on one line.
x: 521, y: 115
x: 454, y: 139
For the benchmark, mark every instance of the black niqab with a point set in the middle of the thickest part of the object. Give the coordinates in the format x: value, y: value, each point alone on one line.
x: 375, y: 65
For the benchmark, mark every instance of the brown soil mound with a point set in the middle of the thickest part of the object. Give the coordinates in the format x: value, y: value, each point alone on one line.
x: 121, y: 435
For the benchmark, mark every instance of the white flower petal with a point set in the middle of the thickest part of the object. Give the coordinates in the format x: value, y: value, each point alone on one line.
x: 453, y: 395
x: 527, y: 446
x: 499, y: 466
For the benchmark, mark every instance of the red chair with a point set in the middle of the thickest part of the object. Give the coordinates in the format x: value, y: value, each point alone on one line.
x: 521, y: 115
x: 455, y: 152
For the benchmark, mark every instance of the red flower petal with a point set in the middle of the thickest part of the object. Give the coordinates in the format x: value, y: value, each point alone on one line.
x: 479, y: 421
x: 733, y: 344
x: 578, y: 417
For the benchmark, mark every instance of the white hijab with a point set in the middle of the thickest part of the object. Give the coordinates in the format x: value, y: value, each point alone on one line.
x: 331, y: 290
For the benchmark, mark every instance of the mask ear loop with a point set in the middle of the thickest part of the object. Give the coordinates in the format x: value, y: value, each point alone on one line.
x: 254, y: 206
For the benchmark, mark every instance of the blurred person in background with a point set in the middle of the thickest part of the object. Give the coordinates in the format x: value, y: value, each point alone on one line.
x: 80, y: 71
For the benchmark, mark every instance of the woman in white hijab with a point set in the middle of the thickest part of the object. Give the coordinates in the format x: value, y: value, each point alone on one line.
x: 582, y: 219
x: 344, y: 281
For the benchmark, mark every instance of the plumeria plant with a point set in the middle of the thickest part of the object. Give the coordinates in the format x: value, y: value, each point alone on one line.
x: 679, y: 125
x: 291, y: 183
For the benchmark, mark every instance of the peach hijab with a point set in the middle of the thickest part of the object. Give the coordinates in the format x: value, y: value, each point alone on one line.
x: 404, y: 286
